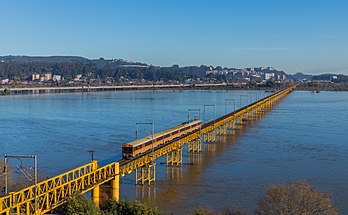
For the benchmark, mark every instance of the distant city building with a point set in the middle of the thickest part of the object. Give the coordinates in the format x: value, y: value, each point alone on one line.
x: 334, y: 77
x: 211, y: 71
x: 281, y: 77
x: 78, y: 77
x: 35, y: 77
x: 269, y: 76
x: 57, y: 78
x: 4, y: 81
x: 48, y: 76
x: 255, y: 77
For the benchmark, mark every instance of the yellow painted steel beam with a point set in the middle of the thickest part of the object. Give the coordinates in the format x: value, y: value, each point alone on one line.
x: 54, y: 192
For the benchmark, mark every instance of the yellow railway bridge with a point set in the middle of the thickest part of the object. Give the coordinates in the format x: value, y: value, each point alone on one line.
x: 52, y: 193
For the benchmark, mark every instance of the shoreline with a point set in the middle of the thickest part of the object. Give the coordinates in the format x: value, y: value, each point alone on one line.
x: 7, y: 91
x: 43, y: 90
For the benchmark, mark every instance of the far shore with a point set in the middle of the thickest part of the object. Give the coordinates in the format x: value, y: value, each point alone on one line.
x: 65, y: 89
x: 306, y: 86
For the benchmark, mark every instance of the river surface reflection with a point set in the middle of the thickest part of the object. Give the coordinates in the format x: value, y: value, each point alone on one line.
x: 303, y: 138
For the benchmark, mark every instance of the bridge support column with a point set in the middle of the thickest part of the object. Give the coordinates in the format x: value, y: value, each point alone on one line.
x: 239, y: 121
x: 209, y: 137
x: 224, y: 128
x: 205, y: 137
x: 254, y: 113
x: 145, y: 174
x: 232, y: 124
x: 246, y: 116
x: 261, y: 110
x: 96, y: 190
x: 174, y: 158
x: 96, y: 193
x: 115, y: 184
x: 195, y: 146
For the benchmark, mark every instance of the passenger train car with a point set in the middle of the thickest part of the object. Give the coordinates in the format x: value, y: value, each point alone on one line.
x: 142, y: 145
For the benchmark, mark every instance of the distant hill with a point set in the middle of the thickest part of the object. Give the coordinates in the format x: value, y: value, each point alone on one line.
x: 50, y: 59
x: 100, y: 63
x: 114, y: 70
x: 330, y: 77
x: 300, y: 76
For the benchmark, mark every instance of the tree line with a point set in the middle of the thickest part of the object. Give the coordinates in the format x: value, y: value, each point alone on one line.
x: 20, y: 71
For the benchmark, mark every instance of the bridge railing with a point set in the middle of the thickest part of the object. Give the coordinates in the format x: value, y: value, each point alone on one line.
x: 25, y: 196
x: 53, y: 192
x: 5, y: 204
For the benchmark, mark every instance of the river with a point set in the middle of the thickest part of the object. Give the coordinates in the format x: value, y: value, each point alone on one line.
x: 303, y: 138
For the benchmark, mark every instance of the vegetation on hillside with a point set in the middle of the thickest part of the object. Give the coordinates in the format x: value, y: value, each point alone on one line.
x: 326, y: 86
x: 295, y: 198
x: 20, y: 68
x: 284, y: 199
x: 80, y: 205
x: 94, y: 70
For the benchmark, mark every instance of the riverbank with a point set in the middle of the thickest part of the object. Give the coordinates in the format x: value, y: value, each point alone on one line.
x: 44, y: 89
x: 322, y: 86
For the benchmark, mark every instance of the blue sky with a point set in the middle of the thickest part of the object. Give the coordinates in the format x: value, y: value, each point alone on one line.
x: 308, y: 36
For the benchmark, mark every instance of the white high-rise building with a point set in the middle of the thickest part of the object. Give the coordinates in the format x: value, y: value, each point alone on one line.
x: 269, y: 76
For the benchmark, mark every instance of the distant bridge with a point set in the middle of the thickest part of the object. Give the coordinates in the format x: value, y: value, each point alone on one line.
x: 52, y: 193
x: 38, y: 90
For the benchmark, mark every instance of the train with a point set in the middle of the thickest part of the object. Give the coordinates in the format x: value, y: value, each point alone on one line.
x: 143, y: 145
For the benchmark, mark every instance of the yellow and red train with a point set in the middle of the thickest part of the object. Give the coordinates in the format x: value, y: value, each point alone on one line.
x: 145, y: 144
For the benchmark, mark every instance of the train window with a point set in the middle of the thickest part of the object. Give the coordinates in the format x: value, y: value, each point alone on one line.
x: 138, y: 147
x: 127, y: 149
x: 160, y: 138
x: 148, y: 143
x: 166, y: 136
x: 175, y: 132
x: 183, y: 129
